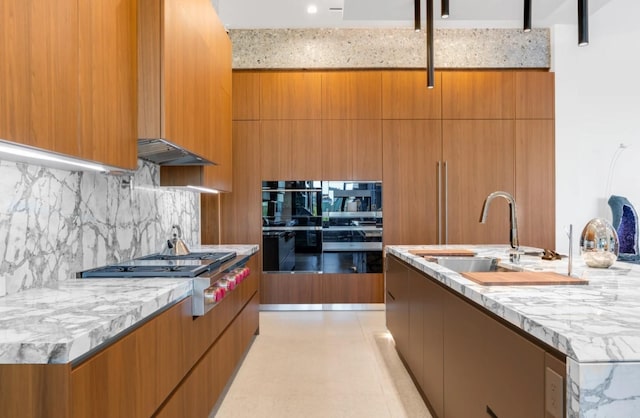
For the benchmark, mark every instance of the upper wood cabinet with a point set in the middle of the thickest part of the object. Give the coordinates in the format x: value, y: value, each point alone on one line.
x: 67, y: 78
x: 290, y: 95
x: 535, y: 95
x: 185, y: 87
x: 351, y: 149
x: 290, y: 149
x: 411, y: 150
x: 405, y: 95
x: 246, y: 97
x: 478, y: 95
x: 479, y: 159
x: 535, y: 182
x: 108, y: 70
x: 351, y: 95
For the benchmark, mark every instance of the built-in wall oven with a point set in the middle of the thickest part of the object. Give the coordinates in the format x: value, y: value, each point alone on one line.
x: 292, y: 226
x: 322, y: 226
x: 352, y: 226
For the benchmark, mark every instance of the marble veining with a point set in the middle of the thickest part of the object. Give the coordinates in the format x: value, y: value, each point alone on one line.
x: 388, y: 48
x: 596, y: 325
x: 54, y: 223
x: 67, y: 319
x: 60, y: 323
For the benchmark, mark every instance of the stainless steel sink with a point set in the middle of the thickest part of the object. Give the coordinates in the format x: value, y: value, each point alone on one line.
x: 469, y: 264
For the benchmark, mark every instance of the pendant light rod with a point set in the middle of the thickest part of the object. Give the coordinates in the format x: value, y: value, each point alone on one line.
x: 583, y: 22
x: 444, y: 9
x: 527, y: 16
x: 430, y: 68
x: 416, y: 15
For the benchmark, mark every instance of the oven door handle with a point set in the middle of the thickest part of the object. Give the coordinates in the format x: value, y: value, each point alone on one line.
x: 290, y: 228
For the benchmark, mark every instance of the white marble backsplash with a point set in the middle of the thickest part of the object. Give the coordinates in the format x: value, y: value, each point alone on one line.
x: 54, y: 223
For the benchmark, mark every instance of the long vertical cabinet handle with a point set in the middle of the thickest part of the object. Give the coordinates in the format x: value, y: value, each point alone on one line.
x: 439, y: 202
x: 446, y: 203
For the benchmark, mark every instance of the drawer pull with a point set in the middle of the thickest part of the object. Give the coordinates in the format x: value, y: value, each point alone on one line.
x: 491, y: 413
x: 390, y: 295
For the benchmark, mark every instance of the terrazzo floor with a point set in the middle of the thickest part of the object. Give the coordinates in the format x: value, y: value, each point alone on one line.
x: 322, y: 364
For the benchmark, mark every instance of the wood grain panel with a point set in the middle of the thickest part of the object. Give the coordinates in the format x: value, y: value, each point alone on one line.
x: 397, y: 303
x: 479, y: 158
x: 243, y: 226
x: 535, y: 182
x: 107, y: 84
x: 351, y: 95
x: 290, y: 95
x: 351, y: 149
x: 291, y: 288
x: 433, y: 350
x: 150, y: 49
x: 478, y: 95
x: 405, y: 95
x: 535, y: 95
x: 353, y: 288
x: 290, y: 149
x: 415, y: 351
x: 15, y: 70
x: 411, y: 151
x: 34, y: 390
x: 246, y: 95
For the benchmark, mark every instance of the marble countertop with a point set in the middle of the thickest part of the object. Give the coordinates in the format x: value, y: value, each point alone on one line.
x: 59, y: 324
x: 594, y: 323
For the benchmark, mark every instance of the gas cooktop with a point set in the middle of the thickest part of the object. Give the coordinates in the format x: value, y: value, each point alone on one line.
x: 159, y: 265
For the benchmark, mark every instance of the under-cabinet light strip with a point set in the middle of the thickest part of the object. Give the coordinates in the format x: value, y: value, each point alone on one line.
x: 17, y: 150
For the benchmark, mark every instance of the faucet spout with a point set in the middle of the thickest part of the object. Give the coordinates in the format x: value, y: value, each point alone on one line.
x: 513, y: 219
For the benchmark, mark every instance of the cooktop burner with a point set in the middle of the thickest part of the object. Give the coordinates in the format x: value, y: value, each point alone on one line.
x: 158, y: 265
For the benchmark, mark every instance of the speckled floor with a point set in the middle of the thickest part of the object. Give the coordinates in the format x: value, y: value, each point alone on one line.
x: 322, y: 364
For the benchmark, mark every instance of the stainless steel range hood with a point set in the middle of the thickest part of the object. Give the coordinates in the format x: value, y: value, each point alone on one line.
x: 162, y: 152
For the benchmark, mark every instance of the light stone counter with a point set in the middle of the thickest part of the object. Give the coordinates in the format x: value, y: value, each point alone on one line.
x: 596, y: 325
x: 62, y: 322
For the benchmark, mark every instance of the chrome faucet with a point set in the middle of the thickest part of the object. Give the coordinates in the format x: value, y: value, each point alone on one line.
x: 514, y: 255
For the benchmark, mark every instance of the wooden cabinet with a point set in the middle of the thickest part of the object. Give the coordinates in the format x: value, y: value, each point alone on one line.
x: 535, y: 182
x: 405, y: 95
x: 478, y: 95
x: 108, y: 72
x: 479, y: 159
x: 290, y: 95
x: 466, y: 361
x: 397, y: 302
x: 535, y: 95
x: 290, y: 149
x: 351, y: 95
x: 351, y: 149
x: 68, y: 78
x: 411, y: 153
x: 185, y: 87
x: 245, y: 95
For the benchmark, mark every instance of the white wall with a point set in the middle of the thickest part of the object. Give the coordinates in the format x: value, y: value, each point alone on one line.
x: 597, y: 109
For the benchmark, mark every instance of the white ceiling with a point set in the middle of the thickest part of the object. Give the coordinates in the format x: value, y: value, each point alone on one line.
x: 247, y: 14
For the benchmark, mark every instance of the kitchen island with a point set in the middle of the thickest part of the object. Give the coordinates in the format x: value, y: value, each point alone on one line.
x: 596, y: 326
x: 72, y: 349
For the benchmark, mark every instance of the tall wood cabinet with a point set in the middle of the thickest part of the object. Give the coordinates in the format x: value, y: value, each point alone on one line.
x: 68, y: 72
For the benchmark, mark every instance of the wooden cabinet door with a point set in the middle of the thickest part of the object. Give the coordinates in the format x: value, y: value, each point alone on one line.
x: 479, y: 159
x: 39, y: 74
x: 397, y: 303
x: 535, y: 95
x: 290, y: 95
x: 478, y: 95
x: 411, y: 152
x: 291, y: 149
x: 107, y: 83
x: 515, y: 379
x: 246, y: 95
x: 415, y: 350
x: 433, y: 339
x: 465, y: 367
x: 405, y: 95
x: 351, y: 150
x: 535, y: 182
x: 351, y: 95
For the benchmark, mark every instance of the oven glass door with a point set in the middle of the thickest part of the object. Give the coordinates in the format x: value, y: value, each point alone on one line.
x: 292, y: 249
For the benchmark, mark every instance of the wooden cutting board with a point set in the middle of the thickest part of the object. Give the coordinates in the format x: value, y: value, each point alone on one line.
x: 443, y: 252
x: 522, y: 278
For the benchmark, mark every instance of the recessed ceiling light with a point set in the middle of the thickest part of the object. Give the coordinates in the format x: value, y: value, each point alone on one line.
x: 312, y: 9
